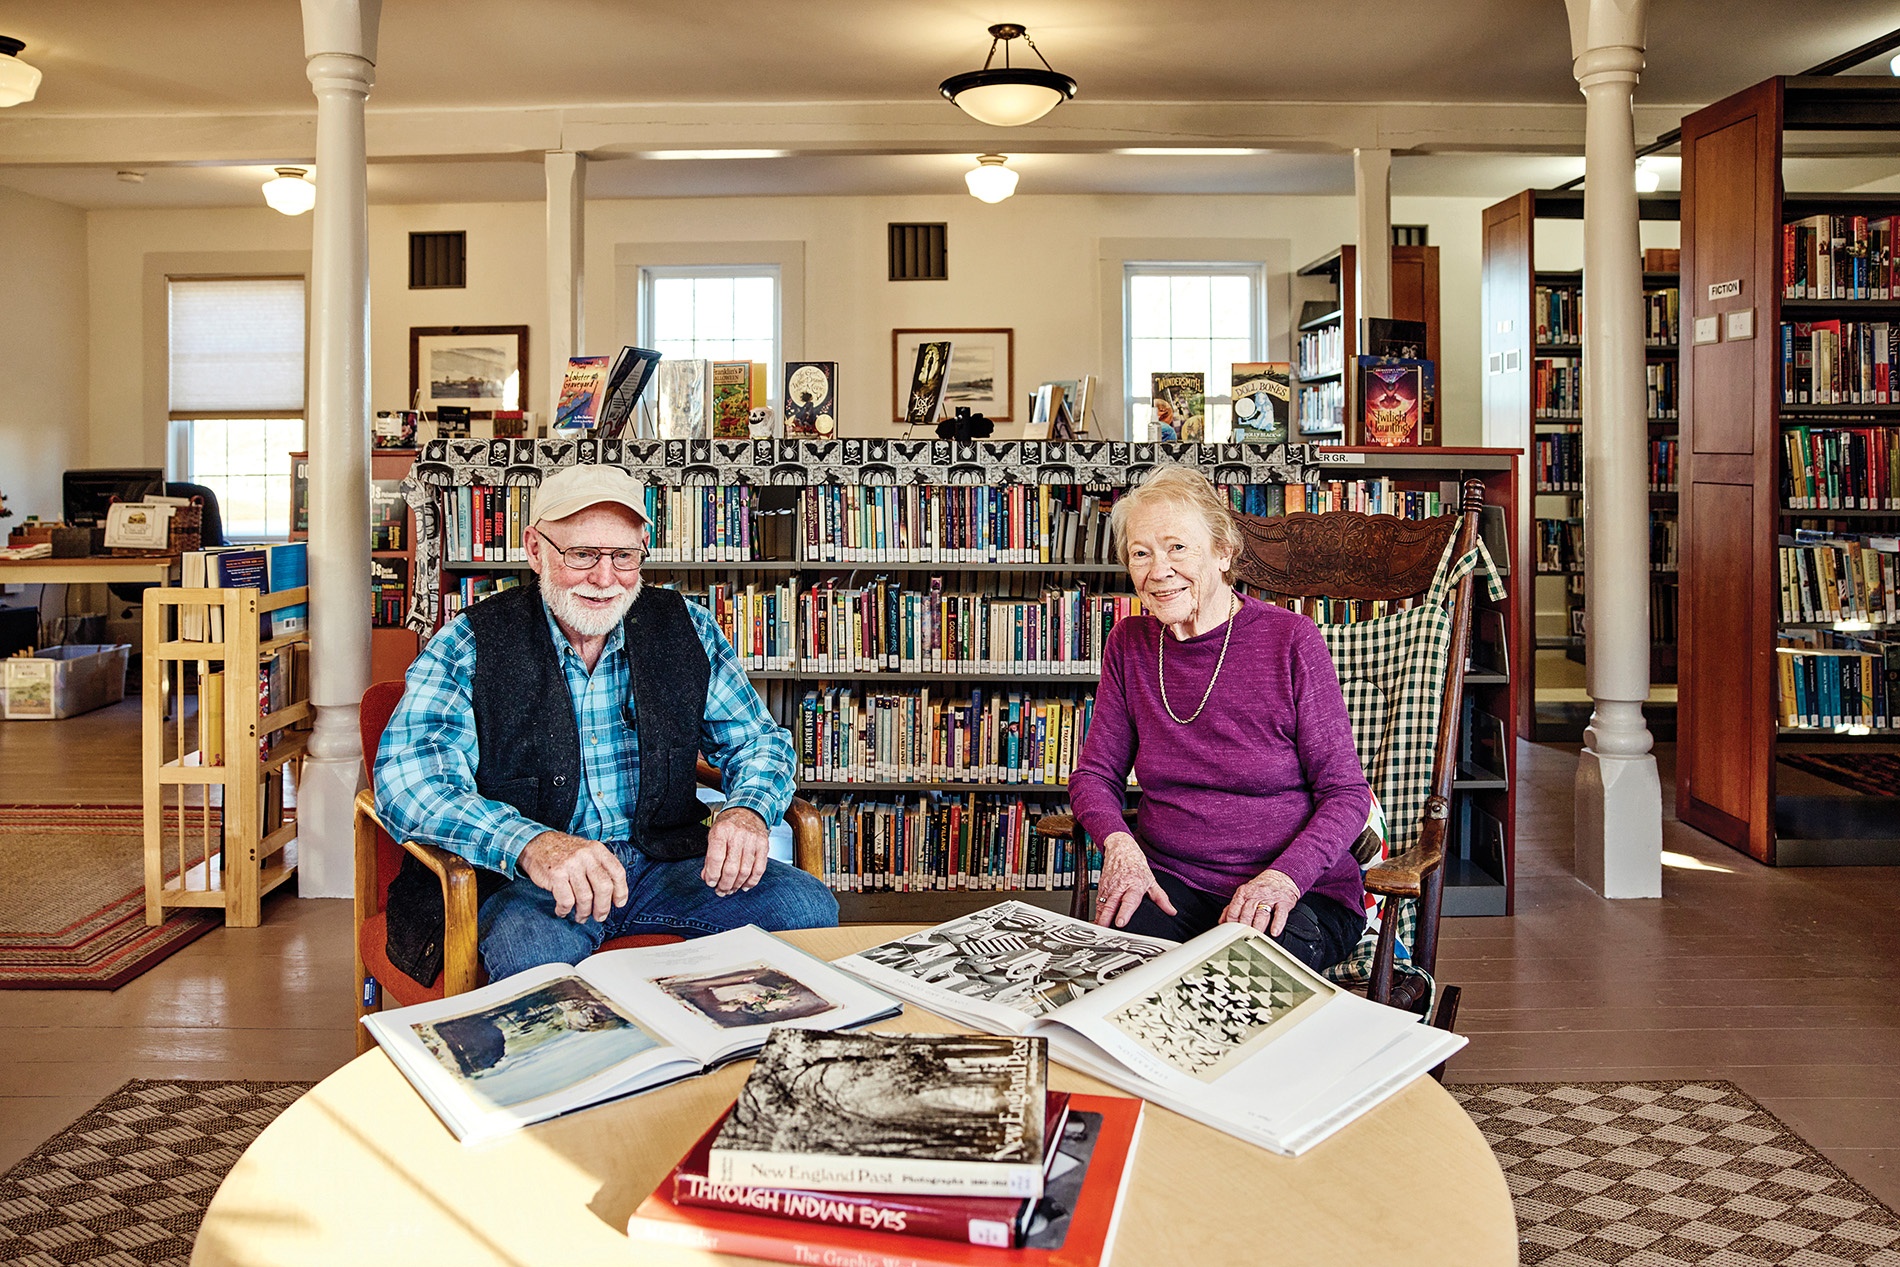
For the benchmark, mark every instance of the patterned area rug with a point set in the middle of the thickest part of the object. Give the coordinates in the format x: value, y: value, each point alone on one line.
x: 72, y: 910
x: 1869, y: 773
x: 128, y: 1183
x: 1661, y: 1174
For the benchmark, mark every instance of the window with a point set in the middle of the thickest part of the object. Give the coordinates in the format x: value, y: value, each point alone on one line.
x: 237, y: 389
x: 714, y: 313
x: 1190, y: 318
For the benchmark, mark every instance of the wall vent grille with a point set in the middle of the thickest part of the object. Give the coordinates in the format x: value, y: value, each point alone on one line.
x: 438, y: 261
x: 920, y: 253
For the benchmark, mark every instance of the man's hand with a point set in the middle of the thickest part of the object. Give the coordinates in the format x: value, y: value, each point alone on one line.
x: 1126, y: 879
x: 735, y: 851
x: 1264, y: 902
x: 583, y: 875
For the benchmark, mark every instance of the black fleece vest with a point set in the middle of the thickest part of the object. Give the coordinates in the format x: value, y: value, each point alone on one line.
x: 530, y: 744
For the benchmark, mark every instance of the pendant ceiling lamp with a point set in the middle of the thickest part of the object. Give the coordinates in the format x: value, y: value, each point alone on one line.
x: 18, y: 81
x: 989, y: 180
x: 289, y: 192
x: 1008, y: 96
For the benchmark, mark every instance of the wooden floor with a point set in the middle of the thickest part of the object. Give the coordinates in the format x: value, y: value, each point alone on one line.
x: 1786, y: 982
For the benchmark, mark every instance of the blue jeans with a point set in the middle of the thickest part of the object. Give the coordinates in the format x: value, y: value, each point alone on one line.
x: 520, y: 930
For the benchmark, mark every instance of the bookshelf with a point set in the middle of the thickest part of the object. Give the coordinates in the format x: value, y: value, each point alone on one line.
x: 220, y: 813
x: 392, y: 644
x: 1326, y: 343
x: 985, y: 546
x: 1743, y: 489
x: 1533, y: 398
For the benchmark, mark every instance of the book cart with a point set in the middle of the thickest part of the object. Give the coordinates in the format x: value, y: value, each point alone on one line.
x: 1761, y: 465
x: 221, y: 772
x: 1533, y: 398
x: 779, y: 539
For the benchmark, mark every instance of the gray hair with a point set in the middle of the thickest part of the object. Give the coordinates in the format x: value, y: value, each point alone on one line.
x: 1182, y: 488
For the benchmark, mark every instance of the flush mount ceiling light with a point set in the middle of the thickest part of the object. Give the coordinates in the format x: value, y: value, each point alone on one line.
x: 18, y: 81
x: 289, y: 192
x: 1008, y: 96
x: 989, y: 180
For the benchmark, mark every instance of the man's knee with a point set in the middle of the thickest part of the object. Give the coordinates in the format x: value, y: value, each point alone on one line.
x: 799, y: 900
x: 519, y: 930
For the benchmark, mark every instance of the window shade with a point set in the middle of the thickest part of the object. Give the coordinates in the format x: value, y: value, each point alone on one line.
x: 236, y: 345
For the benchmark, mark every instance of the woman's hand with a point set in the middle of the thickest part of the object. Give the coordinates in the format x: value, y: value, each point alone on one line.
x: 1126, y: 879
x: 1263, y: 902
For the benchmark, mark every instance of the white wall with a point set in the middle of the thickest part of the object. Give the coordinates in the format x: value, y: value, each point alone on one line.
x: 42, y: 351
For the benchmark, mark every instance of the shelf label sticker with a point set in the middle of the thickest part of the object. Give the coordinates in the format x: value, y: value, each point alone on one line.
x: 1725, y: 290
x: 1320, y: 455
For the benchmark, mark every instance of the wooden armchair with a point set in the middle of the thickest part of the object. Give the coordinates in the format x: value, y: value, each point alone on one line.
x: 1403, y: 678
x: 379, y: 856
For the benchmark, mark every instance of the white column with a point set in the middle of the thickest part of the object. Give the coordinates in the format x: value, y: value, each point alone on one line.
x: 567, y: 213
x: 1619, y: 799
x: 1372, y: 189
x: 340, y: 51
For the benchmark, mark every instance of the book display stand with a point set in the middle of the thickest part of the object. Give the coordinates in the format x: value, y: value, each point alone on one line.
x: 221, y: 773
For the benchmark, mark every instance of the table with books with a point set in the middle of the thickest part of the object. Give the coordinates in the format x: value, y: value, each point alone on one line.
x: 365, y: 1169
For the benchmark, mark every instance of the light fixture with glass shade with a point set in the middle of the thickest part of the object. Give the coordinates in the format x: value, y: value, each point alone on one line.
x: 1648, y: 179
x: 18, y: 81
x: 989, y: 180
x: 1008, y: 96
x: 289, y: 192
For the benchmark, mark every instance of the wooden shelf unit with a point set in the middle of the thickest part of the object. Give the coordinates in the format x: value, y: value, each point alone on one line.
x: 1734, y: 206
x: 1487, y: 882
x: 1512, y: 418
x: 220, y: 817
x: 392, y: 648
x: 1414, y: 298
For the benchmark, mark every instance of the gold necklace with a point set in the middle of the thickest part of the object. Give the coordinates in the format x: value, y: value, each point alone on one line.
x: 1161, y: 664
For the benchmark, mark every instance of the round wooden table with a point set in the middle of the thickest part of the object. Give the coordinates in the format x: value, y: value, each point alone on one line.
x: 360, y: 1171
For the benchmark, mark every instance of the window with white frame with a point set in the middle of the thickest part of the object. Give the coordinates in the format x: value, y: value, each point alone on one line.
x: 713, y: 312
x: 1193, y: 318
x: 236, y: 388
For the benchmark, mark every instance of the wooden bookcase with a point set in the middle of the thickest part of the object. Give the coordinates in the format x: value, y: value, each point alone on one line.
x: 1479, y: 878
x: 220, y: 816
x: 392, y: 646
x: 1515, y: 365
x: 1734, y: 207
x: 1333, y: 278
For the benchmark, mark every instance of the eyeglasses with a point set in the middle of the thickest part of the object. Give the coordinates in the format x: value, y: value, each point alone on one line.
x: 585, y: 558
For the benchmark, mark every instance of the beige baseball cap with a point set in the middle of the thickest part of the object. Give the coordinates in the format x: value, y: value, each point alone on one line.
x: 573, y: 489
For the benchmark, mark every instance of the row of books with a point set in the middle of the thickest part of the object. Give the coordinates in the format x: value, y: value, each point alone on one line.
x: 1560, y: 462
x: 1557, y: 389
x: 1840, y: 468
x: 1852, y: 684
x: 703, y: 524
x: 1838, y: 362
x: 848, y: 734
x: 483, y: 524
x: 388, y: 516
x: 267, y: 569
x: 1322, y: 351
x: 1837, y: 257
x: 955, y: 523
x: 388, y: 592
x: 1558, y: 313
x: 937, y: 842
x: 1560, y: 543
x: 884, y: 625
x: 471, y: 588
x: 1322, y: 407
x: 1839, y: 578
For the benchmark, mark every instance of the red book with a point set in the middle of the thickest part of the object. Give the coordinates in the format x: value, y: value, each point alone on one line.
x: 1073, y: 1227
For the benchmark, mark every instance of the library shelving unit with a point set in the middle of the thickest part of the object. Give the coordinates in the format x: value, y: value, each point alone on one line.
x: 796, y: 504
x: 221, y: 773
x: 1736, y: 476
x: 1533, y: 390
x: 1325, y: 344
x: 392, y: 644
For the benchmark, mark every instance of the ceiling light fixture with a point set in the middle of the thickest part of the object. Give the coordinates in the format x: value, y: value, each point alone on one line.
x: 1648, y: 179
x: 1008, y: 96
x: 1894, y: 65
x: 289, y: 192
x: 18, y: 81
x: 989, y: 180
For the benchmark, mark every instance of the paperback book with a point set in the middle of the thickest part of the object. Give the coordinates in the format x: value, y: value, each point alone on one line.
x: 957, y: 1114
x: 1071, y: 1225
x: 1180, y: 405
x: 627, y: 381
x: 1227, y: 1029
x: 929, y: 378
x: 732, y: 400
x: 289, y: 568
x: 1393, y: 396
x: 685, y: 393
x: 556, y: 1038
x: 1262, y: 393
x: 581, y: 393
x: 811, y: 398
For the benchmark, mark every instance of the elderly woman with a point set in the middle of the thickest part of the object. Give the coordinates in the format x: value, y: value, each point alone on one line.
x: 1228, y: 709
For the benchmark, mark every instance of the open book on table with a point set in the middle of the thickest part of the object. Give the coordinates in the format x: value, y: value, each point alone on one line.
x: 1228, y: 1029
x: 555, y: 1039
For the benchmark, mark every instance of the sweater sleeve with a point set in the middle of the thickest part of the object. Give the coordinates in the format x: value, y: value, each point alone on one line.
x: 1099, y: 779
x: 1341, y: 798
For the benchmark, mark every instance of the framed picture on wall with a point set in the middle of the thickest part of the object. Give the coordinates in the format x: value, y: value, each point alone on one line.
x: 982, y: 373
x: 481, y: 368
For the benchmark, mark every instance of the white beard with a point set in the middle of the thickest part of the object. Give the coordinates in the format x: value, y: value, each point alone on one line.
x: 589, y: 622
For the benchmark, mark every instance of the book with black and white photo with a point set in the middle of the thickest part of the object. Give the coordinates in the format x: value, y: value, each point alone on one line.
x: 555, y: 1039
x: 685, y: 394
x: 1228, y: 1029
x: 627, y: 380
x: 929, y: 378
x: 954, y: 1114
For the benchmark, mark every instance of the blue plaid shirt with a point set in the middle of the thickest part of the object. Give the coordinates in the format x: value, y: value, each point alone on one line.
x: 425, y: 768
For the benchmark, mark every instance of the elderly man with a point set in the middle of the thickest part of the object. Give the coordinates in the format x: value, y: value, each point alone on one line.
x: 550, y: 735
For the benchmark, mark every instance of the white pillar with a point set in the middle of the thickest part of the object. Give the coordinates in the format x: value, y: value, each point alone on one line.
x: 1619, y: 799
x: 340, y: 52
x: 1372, y: 189
x: 567, y: 208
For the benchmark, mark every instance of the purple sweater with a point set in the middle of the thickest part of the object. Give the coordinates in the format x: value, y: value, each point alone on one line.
x: 1265, y: 776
